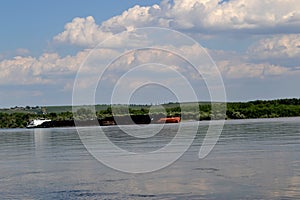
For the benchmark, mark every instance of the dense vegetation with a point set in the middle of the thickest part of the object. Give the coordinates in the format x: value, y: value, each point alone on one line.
x: 264, y: 109
x: 19, y: 117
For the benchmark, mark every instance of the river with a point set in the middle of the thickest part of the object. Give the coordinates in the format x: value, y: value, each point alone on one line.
x: 253, y: 159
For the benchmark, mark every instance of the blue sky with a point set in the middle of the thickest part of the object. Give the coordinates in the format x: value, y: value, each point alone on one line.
x: 32, y: 24
x: 255, y: 45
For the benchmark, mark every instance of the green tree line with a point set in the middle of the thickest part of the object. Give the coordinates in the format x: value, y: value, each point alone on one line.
x: 234, y: 110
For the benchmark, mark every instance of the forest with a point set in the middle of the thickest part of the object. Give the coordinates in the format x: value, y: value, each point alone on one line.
x: 19, y: 118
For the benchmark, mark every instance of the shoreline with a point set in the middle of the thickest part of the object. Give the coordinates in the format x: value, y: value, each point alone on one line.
x: 227, y: 121
x: 143, y: 114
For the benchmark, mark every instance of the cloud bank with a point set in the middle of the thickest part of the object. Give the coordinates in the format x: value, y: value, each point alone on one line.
x: 273, y: 25
x: 212, y: 17
x: 280, y: 46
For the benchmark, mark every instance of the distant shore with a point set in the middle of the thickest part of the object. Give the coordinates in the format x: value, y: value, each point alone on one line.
x: 18, y: 117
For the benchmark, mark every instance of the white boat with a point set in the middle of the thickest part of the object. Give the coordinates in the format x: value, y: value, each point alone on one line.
x: 37, y: 122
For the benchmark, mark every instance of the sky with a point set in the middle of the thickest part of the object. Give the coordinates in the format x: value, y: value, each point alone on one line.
x: 50, y: 50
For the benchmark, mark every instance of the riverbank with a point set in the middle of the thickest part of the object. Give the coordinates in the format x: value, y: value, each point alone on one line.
x: 19, y: 118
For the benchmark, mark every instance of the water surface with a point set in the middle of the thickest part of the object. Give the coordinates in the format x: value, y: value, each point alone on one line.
x: 253, y: 159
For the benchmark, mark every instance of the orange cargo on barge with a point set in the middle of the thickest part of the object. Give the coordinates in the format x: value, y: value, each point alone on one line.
x: 169, y: 120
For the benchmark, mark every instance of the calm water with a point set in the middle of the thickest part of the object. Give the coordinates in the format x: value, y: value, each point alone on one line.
x: 253, y: 159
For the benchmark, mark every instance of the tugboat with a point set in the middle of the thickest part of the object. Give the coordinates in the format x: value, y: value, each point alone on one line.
x: 37, y: 123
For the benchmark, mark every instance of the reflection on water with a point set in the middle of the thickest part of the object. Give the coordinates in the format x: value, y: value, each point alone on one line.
x: 254, y: 159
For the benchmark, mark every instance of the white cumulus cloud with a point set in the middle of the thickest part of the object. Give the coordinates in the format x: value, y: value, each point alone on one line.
x: 203, y: 16
x: 278, y: 47
x: 46, y: 69
x: 256, y: 15
x: 238, y: 70
x: 82, y: 31
x: 51, y: 68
